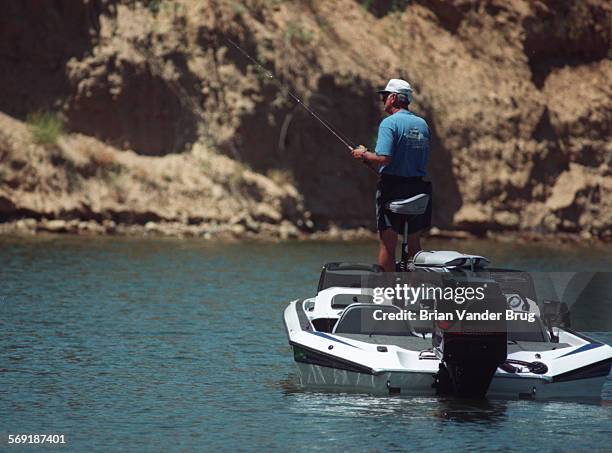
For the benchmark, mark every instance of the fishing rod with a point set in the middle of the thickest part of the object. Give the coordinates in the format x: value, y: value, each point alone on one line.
x: 345, y: 141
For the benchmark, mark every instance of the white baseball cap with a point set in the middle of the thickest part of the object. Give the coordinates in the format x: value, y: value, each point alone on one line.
x: 398, y: 86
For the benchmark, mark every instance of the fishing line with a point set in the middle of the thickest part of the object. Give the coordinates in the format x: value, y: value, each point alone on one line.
x: 345, y: 141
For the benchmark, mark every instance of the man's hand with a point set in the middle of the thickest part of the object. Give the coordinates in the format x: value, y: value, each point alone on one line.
x: 359, y: 153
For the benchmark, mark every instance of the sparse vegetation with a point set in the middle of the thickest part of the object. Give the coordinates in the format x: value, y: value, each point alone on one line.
x: 366, y: 4
x: 116, y: 181
x: 281, y: 176
x: 273, y: 3
x: 72, y: 177
x: 298, y: 33
x: 381, y: 9
x: 45, y: 127
x: 141, y: 175
x: 105, y: 162
x: 154, y: 6
x: 324, y: 24
x: 238, y: 8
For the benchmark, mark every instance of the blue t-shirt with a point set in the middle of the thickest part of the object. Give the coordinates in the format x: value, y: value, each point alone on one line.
x: 405, y: 138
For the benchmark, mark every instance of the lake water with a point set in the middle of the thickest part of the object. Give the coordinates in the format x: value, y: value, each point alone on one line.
x: 178, y: 345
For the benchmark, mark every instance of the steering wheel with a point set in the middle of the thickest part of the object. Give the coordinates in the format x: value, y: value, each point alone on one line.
x: 514, y: 299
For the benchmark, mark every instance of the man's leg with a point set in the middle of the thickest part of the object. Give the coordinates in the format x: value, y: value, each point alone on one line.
x: 414, y: 243
x: 386, y: 254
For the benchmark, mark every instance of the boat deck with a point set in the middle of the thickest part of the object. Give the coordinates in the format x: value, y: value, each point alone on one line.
x: 405, y: 342
x: 419, y: 344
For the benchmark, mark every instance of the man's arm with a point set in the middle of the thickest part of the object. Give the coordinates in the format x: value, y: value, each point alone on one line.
x: 384, y: 148
x: 363, y: 154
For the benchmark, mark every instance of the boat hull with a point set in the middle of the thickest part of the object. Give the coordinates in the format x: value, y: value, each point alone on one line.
x: 359, y: 364
x: 315, y: 377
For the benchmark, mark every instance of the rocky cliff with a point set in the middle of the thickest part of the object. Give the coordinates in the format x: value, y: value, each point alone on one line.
x: 517, y: 94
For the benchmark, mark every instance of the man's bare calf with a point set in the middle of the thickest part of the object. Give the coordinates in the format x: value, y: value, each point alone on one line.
x: 388, y: 243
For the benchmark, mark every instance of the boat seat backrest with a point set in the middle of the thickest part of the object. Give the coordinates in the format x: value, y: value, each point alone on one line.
x: 519, y: 330
x: 419, y: 326
x: 362, y: 319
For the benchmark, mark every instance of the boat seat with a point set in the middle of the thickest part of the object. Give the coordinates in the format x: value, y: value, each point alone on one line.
x: 359, y: 319
x: 349, y: 275
x: 420, y: 327
x: 409, y: 206
x: 527, y: 331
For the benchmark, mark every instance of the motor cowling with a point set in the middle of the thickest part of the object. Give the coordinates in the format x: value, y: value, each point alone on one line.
x: 471, y: 350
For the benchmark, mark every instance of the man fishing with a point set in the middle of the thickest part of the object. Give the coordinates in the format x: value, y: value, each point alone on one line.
x: 402, y: 151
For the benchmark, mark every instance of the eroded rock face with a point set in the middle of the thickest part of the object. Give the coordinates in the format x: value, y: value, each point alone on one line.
x: 569, y: 33
x: 129, y: 106
x: 128, y: 95
x: 36, y: 41
x: 516, y: 94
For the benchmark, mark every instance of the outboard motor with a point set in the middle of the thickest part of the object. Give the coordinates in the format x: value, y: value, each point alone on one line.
x: 471, y: 350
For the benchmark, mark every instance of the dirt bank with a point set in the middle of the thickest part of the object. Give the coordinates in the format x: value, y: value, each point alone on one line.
x: 83, y: 185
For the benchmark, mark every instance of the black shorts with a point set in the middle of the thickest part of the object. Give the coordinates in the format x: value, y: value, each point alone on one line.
x: 391, y: 188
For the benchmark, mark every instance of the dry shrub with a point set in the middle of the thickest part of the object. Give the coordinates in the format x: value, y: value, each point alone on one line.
x: 105, y: 160
x: 281, y: 176
x: 103, y: 157
x: 45, y: 127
